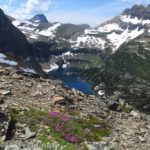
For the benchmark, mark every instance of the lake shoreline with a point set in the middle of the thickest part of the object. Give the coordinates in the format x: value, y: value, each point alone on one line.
x: 73, y: 79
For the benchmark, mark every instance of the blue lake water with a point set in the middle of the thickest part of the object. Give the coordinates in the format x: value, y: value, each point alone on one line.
x: 71, y: 79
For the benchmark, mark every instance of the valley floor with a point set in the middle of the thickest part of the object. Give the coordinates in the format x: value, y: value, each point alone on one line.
x: 22, y: 94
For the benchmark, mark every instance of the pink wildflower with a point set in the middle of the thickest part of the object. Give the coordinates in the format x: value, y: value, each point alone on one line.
x: 54, y: 114
x: 71, y: 138
x: 65, y: 118
x: 59, y: 128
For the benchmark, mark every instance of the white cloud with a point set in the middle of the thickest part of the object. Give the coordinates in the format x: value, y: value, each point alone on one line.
x: 28, y: 8
x: 33, y: 6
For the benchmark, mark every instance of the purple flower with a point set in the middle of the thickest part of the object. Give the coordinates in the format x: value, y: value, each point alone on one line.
x: 59, y: 128
x: 54, y: 114
x: 71, y: 138
x: 65, y: 118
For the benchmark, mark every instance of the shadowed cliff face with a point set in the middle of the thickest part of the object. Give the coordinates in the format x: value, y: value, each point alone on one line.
x: 14, y: 44
x: 12, y: 41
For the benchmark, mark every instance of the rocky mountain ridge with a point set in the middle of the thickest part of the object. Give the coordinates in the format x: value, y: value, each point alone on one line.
x: 56, y: 39
x: 121, y: 29
x: 38, y: 27
x: 113, y: 33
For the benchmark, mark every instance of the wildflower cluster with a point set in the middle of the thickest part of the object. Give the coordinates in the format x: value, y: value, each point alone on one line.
x: 62, y: 125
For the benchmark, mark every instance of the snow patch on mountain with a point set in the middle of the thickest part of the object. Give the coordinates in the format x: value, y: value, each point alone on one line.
x: 90, y: 31
x: 125, y: 36
x: 146, y: 48
x: 105, y: 29
x: 37, y: 21
x: 64, y: 66
x: 2, y: 55
x: 26, y: 28
x: 135, y: 20
x: 50, y: 32
x: 53, y: 67
x: 109, y: 28
x: 67, y: 54
x: 89, y: 41
x: 16, y: 23
x: 33, y: 36
x: 101, y: 93
x: 5, y: 60
x: 25, y: 25
x: 28, y: 70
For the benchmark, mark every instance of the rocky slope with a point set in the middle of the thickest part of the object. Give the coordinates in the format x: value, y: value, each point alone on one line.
x: 128, y: 130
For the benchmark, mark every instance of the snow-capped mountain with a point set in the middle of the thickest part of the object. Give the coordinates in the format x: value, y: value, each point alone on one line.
x: 38, y: 28
x: 113, y: 33
x: 129, y: 25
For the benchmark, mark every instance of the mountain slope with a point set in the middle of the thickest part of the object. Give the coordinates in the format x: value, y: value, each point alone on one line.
x: 12, y: 41
x: 113, y: 33
x: 130, y: 24
x: 127, y: 71
x: 38, y: 28
x: 15, y: 48
x: 109, y: 36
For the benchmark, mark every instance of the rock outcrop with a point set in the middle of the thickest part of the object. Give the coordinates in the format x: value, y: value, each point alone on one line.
x: 12, y: 41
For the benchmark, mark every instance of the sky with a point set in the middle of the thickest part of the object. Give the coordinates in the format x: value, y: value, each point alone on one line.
x: 92, y: 12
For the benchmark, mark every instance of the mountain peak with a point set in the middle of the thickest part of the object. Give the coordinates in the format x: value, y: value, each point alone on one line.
x: 136, y: 6
x: 39, y: 18
x: 139, y: 11
x: 136, y: 11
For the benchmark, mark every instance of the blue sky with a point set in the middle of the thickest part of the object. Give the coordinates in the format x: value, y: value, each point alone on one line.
x: 92, y: 12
